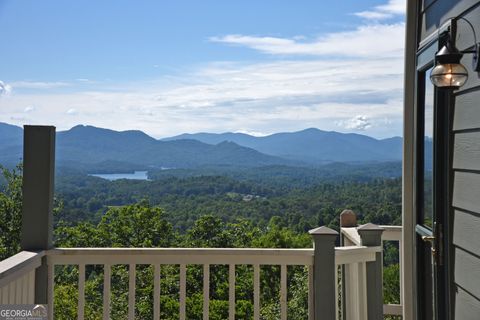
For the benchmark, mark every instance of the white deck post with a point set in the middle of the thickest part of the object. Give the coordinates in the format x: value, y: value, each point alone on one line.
x: 324, y: 273
x: 408, y: 168
x: 371, y: 236
x: 38, y: 181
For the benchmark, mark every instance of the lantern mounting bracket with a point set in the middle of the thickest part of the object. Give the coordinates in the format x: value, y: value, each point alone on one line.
x: 476, y: 46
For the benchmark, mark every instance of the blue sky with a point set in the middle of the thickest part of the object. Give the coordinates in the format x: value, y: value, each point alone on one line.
x: 168, y: 67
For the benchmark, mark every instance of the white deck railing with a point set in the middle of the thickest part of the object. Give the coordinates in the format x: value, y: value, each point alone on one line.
x: 17, y: 277
x: 182, y: 257
x: 390, y: 233
x: 206, y: 257
x: 17, y: 274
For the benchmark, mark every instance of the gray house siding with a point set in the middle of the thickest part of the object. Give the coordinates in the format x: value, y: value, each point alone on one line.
x: 465, y: 171
x: 466, y: 181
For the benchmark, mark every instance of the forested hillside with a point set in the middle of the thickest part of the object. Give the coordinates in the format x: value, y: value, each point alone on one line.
x: 299, y: 203
x: 200, y: 210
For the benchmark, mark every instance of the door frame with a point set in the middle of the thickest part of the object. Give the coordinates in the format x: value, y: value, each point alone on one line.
x: 442, y: 159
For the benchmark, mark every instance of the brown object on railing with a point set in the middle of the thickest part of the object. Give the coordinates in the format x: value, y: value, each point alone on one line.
x: 348, y: 218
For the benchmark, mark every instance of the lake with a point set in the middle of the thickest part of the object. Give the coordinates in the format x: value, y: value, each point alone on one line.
x: 136, y: 175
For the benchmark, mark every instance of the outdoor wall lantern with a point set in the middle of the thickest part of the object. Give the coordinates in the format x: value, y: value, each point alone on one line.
x: 448, y: 72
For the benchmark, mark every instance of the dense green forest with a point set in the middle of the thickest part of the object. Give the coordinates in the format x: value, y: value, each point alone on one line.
x: 247, y: 209
x: 299, y: 198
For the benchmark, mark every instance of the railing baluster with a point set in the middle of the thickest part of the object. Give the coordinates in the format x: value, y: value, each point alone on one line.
x: 11, y: 293
x: 5, y: 294
x: 336, y: 291
x: 362, y: 291
x: 51, y: 289
x: 18, y: 290
x: 107, y: 273
x: 24, y: 297
x: 283, y: 292
x: 131, y: 291
x: 26, y: 278
x: 31, y: 287
x: 256, y: 292
x: 81, y: 292
x: 351, y: 291
x: 311, y: 307
x: 183, y: 291
x: 156, y: 292
x: 206, y: 291
x: 231, y: 291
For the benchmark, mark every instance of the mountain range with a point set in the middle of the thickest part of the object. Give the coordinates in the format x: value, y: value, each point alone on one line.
x: 97, y: 149
x: 311, y: 146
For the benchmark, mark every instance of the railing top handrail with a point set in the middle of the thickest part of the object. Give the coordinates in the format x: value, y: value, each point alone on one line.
x: 390, y: 233
x: 182, y: 251
x: 392, y: 228
x: 19, y: 264
x: 355, y: 254
x: 18, y: 261
x: 181, y: 256
x: 351, y: 234
x: 273, y: 256
x: 347, y: 250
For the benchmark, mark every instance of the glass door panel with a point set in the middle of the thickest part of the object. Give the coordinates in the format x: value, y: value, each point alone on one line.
x: 426, y: 214
x: 425, y: 194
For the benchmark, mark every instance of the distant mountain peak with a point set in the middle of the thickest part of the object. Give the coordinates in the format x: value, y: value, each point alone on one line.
x: 96, y: 130
x: 310, y: 130
x: 80, y: 127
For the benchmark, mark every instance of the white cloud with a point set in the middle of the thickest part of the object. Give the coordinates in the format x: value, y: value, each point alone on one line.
x: 253, y: 133
x: 5, y: 89
x: 360, y: 123
x: 29, y: 109
x: 391, y: 9
x: 38, y: 84
x: 394, y: 6
x: 362, y: 42
x: 374, y: 15
x: 262, y: 97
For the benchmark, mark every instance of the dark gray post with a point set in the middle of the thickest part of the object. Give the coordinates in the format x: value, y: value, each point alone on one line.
x: 371, y: 236
x: 324, y: 273
x: 38, y: 183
